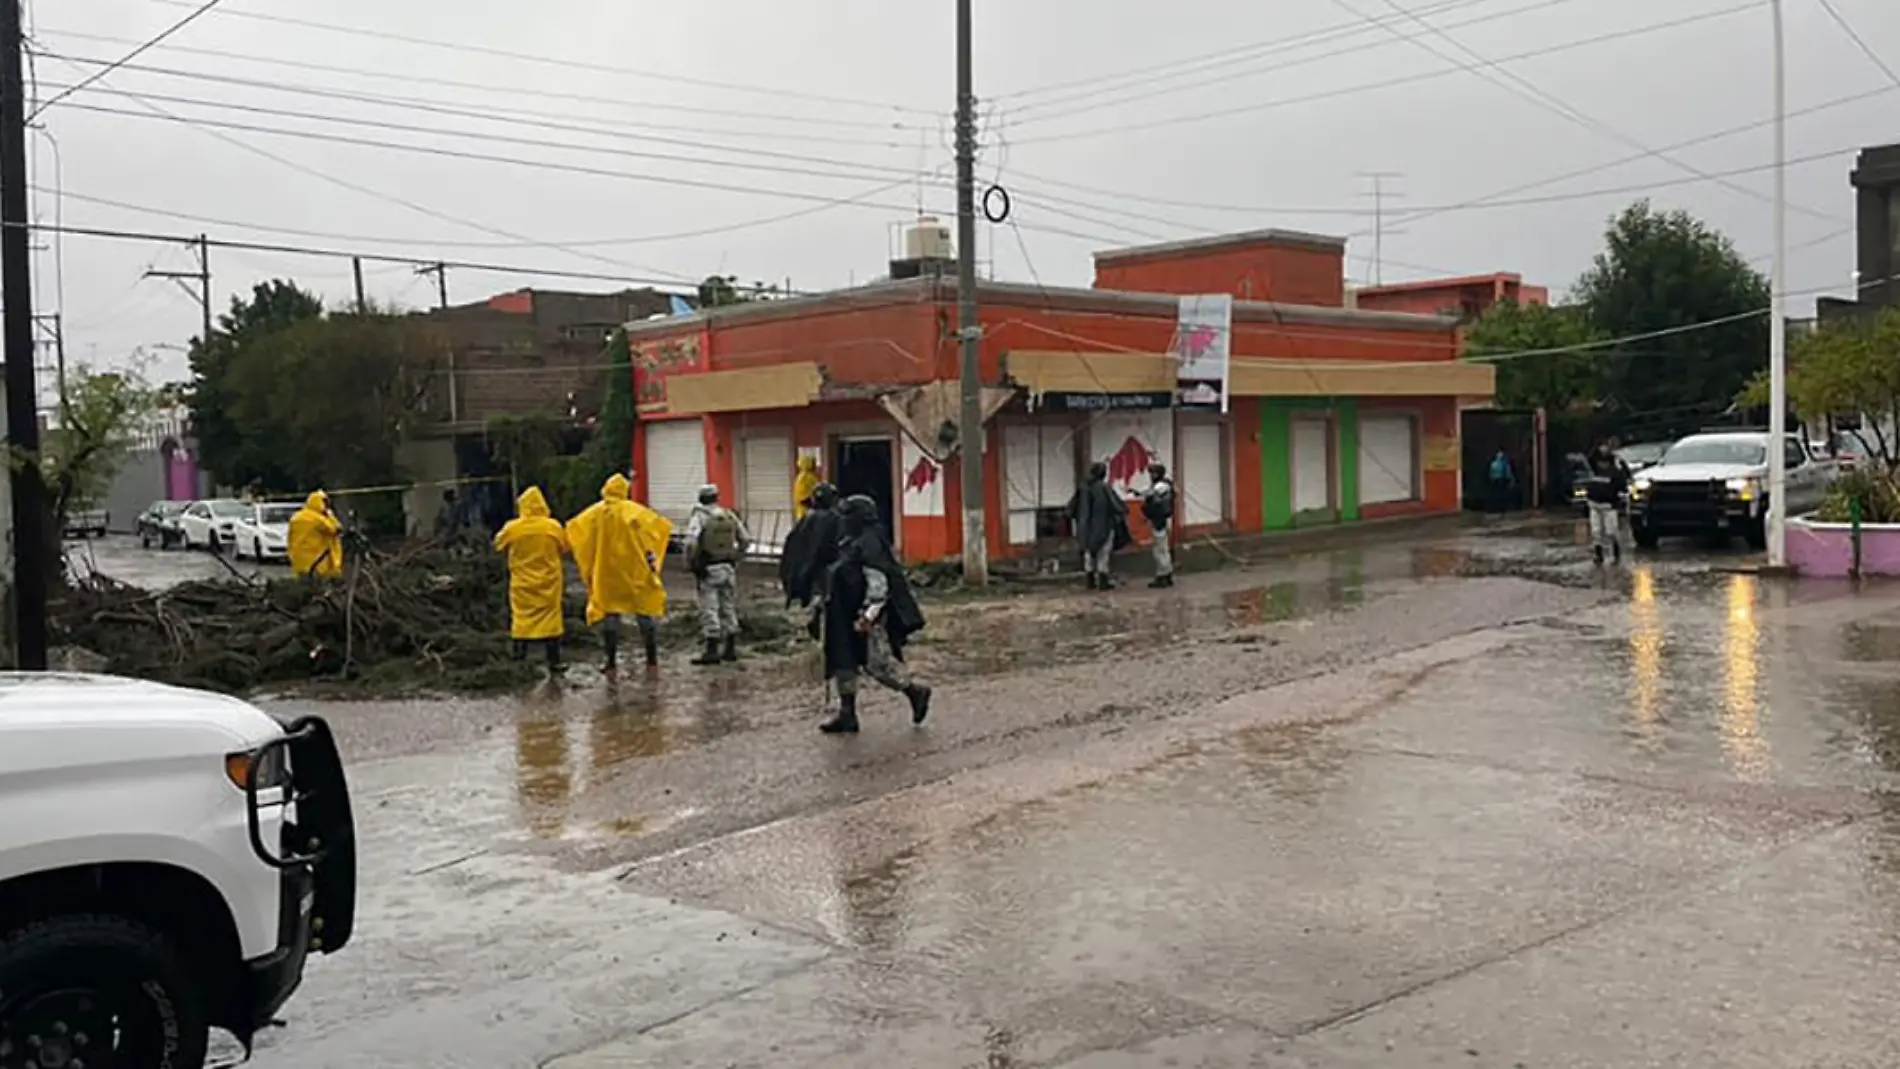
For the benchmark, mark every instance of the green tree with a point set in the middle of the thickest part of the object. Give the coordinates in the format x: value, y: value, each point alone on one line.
x: 230, y: 452
x: 1660, y: 271
x: 1850, y: 367
x: 1557, y: 381
x: 102, y: 416
x: 575, y: 481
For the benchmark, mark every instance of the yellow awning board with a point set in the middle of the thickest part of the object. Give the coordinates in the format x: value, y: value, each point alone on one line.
x: 777, y: 386
x: 1072, y: 372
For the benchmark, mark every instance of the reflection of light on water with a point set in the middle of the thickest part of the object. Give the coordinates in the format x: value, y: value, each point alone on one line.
x: 543, y: 778
x: 1646, y: 649
x: 1741, y: 706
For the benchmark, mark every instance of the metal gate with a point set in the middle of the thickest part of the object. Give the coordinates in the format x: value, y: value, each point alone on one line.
x: 1484, y: 431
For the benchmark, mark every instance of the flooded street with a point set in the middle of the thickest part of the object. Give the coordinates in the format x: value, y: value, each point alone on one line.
x: 1457, y: 801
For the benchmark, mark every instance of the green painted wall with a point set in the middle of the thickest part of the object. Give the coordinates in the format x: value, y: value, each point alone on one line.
x: 1276, y: 459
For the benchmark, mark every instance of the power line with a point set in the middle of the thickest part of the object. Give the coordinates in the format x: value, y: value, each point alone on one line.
x: 872, y: 170
x: 1257, y: 51
x: 411, y: 78
x: 565, y: 64
x: 1859, y: 42
x: 1529, y: 90
x: 201, y: 9
x: 1388, y: 83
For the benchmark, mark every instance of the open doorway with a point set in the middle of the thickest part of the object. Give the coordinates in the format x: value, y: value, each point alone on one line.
x: 867, y: 466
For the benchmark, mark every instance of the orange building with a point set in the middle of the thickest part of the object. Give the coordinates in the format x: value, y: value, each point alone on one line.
x: 1335, y: 414
x: 1466, y: 298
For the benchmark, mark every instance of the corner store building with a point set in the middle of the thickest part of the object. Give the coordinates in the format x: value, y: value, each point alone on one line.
x: 1336, y: 415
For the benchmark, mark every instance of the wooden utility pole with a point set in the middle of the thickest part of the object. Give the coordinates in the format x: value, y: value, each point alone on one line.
x: 362, y: 300
x: 441, y: 272
x: 201, y: 278
x: 976, y: 558
x: 33, y: 549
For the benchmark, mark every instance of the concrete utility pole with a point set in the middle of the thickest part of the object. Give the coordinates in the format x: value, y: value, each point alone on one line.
x: 202, y: 277
x: 32, y: 550
x: 976, y: 558
x: 1778, y: 325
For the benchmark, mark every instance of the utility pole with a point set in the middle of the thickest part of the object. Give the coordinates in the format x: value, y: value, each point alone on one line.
x: 32, y: 545
x: 441, y: 272
x: 202, y: 278
x: 1777, y: 518
x: 362, y: 302
x: 1378, y: 195
x: 976, y: 558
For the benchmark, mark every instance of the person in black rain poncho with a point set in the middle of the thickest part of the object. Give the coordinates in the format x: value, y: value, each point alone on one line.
x: 868, y: 615
x: 811, y: 547
x: 1101, y: 525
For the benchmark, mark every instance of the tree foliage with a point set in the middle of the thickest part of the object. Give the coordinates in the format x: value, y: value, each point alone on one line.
x: 101, y: 419
x: 1847, y: 367
x: 289, y: 399
x: 717, y: 291
x: 1665, y: 270
x: 1552, y: 380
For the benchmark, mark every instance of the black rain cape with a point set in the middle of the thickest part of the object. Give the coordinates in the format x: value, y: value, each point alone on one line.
x: 845, y: 596
x: 809, y: 551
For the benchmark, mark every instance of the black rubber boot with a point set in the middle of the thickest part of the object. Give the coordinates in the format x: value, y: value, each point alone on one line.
x: 610, y: 643
x: 555, y: 667
x: 731, y: 652
x: 846, y: 722
x: 1616, y: 552
x: 653, y: 649
x: 919, y: 695
x: 711, y: 654
x: 1597, y: 553
x: 1091, y: 577
x: 1161, y: 582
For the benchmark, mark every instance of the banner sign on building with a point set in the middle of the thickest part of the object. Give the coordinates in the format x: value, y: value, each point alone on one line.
x: 1203, y: 335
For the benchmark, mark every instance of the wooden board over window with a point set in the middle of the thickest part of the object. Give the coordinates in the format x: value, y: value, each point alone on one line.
x: 778, y: 386
x: 1070, y: 372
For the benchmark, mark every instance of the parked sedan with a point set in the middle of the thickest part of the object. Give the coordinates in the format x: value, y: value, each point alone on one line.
x: 211, y: 525
x: 158, y: 524
x: 264, y: 533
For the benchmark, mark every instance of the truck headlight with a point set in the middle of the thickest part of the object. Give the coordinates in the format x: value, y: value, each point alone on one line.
x: 1745, y: 489
x: 1639, y: 489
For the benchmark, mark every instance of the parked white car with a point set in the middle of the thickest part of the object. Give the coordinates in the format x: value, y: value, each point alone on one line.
x: 264, y: 532
x: 212, y: 525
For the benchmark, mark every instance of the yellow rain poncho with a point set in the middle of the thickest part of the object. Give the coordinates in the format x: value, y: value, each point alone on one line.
x: 614, y: 540
x: 316, y: 538
x: 807, y: 481
x: 534, y: 542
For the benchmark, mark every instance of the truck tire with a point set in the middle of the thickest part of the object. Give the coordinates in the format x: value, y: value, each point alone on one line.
x: 100, y: 990
x: 1643, y: 536
x: 1756, y: 535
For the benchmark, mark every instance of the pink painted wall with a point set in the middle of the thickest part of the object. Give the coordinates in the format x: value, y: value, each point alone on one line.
x: 1826, y: 550
x: 181, y: 475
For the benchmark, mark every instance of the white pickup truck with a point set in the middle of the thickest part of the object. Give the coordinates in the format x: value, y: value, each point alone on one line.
x: 168, y: 859
x: 1715, y: 486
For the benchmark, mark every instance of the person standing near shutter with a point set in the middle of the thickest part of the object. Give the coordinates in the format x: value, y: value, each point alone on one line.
x: 716, y: 539
x: 1157, y: 507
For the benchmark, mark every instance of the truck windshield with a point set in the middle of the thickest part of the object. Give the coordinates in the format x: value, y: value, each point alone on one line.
x: 1715, y: 451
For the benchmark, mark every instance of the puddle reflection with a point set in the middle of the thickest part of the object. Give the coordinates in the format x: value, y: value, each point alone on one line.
x: 1741, y: 698
x: 1646, y: 656
x: 543, y: 776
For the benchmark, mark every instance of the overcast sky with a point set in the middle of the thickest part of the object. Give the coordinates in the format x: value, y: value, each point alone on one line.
x: 590, y: 126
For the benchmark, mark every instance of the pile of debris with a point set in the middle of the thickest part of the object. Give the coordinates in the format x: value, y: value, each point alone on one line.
x: 422, y: 617
x: 423, y: 614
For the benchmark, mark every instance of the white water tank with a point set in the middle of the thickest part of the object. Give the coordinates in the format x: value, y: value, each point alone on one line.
x: 928, y: 239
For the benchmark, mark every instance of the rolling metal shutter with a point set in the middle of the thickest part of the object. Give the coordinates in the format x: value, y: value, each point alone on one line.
x: 676, y: 468
x: 1039, y: 464
x: 1388, y: 459
x: 1201, y: 482
x: 1312, y: 465
x: 1128, y: 442
x: 766, y: 481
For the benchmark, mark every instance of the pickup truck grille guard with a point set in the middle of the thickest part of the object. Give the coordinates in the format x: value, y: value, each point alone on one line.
x: 322, y: 838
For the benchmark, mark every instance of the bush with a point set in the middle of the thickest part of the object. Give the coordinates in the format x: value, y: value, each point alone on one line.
x: 1876, y: 491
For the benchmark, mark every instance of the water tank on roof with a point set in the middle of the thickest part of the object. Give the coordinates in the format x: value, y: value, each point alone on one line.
x: 928, y: 239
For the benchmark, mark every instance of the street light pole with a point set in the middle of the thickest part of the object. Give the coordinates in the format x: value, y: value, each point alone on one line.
x: 1778, y: 323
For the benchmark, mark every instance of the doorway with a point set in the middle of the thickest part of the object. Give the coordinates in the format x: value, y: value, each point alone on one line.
x: 868, y: 466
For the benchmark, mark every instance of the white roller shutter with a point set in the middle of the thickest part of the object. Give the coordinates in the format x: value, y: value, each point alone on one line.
x: 676, y: 468
x: 766, y: 482
x: 1039, y: 466
x: 1128, y: 442
x: 1201, y: 482
x: 1388, y: 459
x: 1312, y: 470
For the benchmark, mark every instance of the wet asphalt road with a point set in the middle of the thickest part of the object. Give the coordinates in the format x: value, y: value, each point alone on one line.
x: 1466, y: 802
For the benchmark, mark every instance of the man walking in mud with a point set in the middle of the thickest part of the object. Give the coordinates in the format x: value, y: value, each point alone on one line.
x: 866, y: 618
x: 811, y: 547
x: 716, y: 539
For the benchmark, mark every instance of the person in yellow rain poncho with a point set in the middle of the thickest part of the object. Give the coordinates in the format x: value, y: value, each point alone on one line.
x: 802, y: 487
x: 315, y: 543
x: 620, y: 545
x: 534, y: 541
